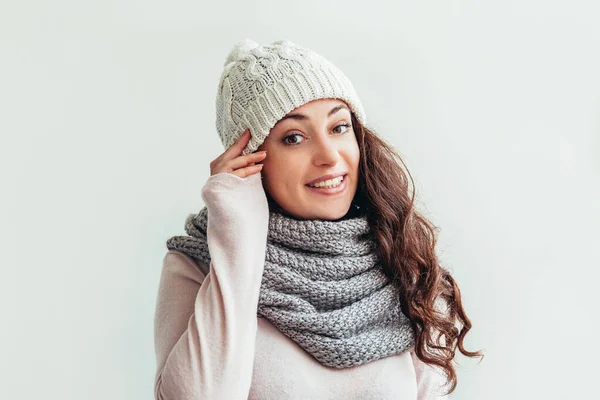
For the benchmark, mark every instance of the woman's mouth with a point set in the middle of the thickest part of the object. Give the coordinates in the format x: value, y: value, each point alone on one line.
x: 332, y: 186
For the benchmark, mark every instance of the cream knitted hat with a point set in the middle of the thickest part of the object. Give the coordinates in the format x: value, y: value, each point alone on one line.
x: 261, y: 84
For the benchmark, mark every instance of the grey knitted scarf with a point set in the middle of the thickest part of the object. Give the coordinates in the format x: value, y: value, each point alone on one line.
x: 322, y: 286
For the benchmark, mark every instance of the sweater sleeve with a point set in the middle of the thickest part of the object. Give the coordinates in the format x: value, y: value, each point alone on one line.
x: 430, y: 381
x: 205, y: 326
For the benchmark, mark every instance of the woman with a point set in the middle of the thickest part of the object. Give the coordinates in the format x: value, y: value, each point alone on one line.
x: 308, y: 274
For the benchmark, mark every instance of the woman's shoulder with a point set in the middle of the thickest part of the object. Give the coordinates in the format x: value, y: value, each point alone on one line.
x: 430, y: 378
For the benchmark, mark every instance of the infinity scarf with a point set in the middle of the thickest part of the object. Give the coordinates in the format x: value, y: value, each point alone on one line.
x: 322, y: 286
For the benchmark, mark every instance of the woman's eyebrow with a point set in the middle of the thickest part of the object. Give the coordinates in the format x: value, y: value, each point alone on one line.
x: 300, y: 117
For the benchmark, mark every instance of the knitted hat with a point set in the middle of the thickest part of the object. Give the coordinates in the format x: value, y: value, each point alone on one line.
x: 261, y: 84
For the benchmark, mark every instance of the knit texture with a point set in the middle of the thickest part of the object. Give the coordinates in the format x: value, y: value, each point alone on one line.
x: 261, y: 84
x: 322, y: 286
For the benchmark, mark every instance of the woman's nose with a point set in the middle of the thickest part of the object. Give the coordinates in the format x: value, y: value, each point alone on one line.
x: 326, y: 151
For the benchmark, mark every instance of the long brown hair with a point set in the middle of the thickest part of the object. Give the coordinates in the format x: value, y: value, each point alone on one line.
x: 406, y: 241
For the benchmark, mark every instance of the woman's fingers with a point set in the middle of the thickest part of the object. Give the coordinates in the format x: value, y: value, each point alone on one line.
x: 248, y: 159
x: 233, y: 162
x: 236, y: 148
x: 247, y: 171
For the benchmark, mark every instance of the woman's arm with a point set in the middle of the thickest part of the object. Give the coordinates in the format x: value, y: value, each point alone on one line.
x: 205, y: 327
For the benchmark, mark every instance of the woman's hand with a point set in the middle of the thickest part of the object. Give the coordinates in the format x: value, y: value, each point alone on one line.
x: 234, y: 195
x: 231, y: 161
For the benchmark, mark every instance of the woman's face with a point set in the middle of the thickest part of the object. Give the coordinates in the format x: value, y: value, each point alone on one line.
x: 311, y: 141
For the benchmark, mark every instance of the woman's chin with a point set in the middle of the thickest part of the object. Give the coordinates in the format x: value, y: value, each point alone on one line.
x: 322, y: 213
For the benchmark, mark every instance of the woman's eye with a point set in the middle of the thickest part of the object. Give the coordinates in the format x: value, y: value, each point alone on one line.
x: 344, y: 125
x: 347, y: 126
x: 285, y: 139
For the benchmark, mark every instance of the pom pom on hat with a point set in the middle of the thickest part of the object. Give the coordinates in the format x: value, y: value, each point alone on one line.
x: 241, y: 50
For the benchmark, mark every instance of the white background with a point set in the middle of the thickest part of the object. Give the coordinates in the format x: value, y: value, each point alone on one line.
x: 107, y: 130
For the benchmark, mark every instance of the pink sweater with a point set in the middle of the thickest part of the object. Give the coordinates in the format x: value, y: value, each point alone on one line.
x: 210, y: 344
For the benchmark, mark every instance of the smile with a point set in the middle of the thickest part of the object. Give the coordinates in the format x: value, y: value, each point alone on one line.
x: 334, y: 186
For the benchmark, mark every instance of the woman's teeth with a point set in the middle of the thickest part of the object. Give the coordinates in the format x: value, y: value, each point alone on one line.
x: 329, y: 183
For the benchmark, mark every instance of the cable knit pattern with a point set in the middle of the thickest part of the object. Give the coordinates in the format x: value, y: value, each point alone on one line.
x: 261, y: 84
x: 322, y: 286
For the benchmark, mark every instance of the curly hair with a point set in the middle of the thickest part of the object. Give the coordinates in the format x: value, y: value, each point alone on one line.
x: 406, y: 247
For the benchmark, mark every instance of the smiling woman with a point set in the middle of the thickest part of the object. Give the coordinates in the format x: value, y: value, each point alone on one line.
x: 309, y: 273
x: 297, y: 175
